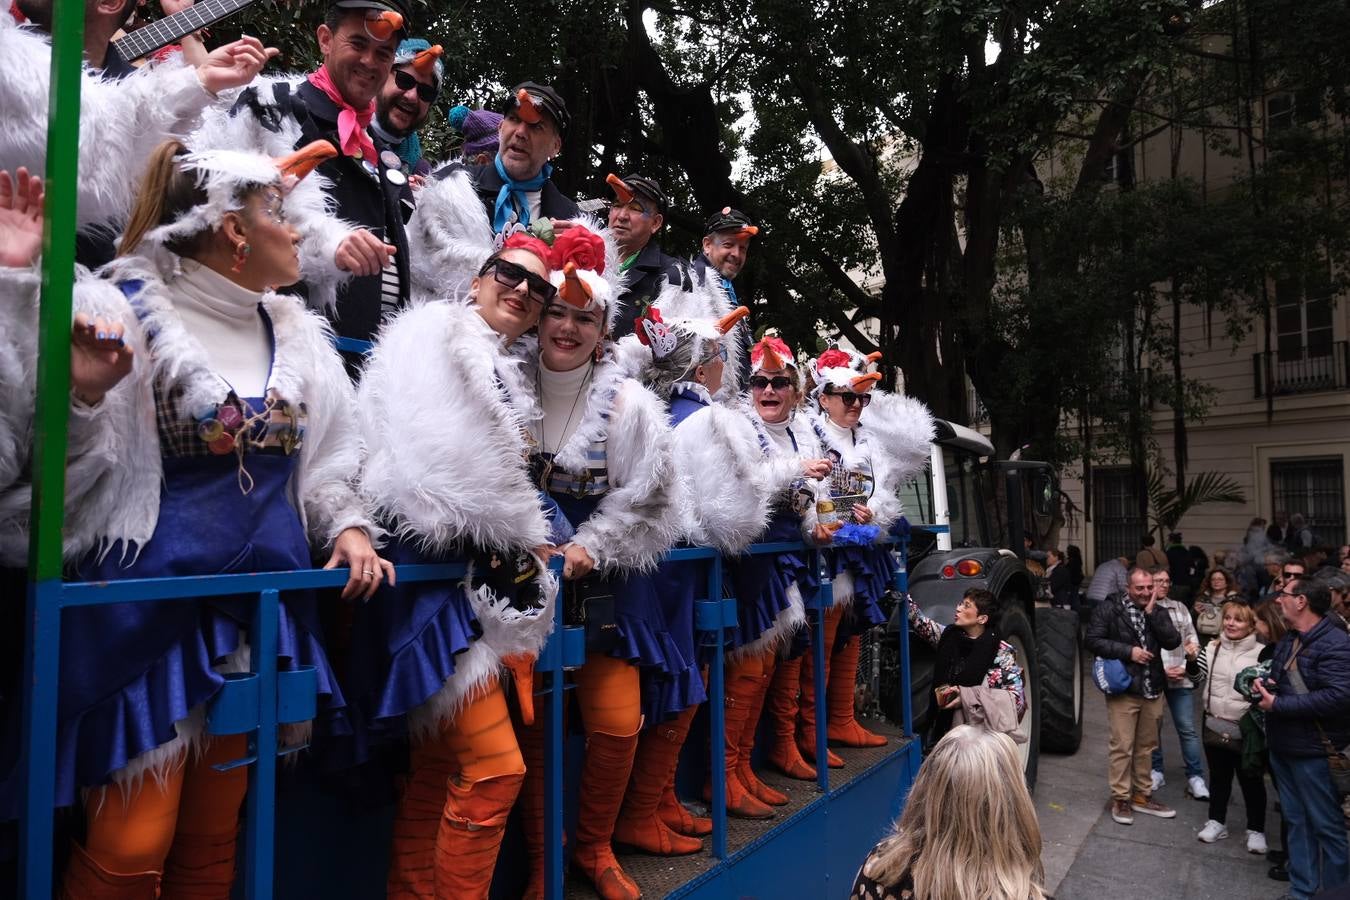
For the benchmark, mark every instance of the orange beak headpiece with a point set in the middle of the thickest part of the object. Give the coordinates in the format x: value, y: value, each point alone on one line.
x: 299, y: 163
x: 383, y: 25
x: 772, y: 354
x: 574, y: 291
x: 426, y: 61
x: 622, y: 192
x: 864, y: 383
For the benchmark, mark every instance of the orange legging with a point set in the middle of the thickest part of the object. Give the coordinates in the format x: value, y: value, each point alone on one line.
x: 609, y: 695
x: 130, y: 829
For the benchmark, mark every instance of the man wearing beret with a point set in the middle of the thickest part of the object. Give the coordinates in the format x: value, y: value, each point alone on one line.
x: 515, y: 187
x: 637, y: 214
x: 358, y: 41
x: 726, y: 243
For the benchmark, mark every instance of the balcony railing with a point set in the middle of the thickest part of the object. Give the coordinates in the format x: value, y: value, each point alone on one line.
x: 1308, y: 370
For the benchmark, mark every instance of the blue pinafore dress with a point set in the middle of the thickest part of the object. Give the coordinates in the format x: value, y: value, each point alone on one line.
x: 130, y: 671
x: 638, y: 633
x: 873, y: 568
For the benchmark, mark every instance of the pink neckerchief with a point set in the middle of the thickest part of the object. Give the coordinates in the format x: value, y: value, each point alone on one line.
x: 352, y: 122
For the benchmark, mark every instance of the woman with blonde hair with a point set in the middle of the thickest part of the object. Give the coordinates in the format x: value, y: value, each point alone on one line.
x: 969, y: 801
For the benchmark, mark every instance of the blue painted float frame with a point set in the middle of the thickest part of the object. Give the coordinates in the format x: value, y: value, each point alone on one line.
x: 836, y: 842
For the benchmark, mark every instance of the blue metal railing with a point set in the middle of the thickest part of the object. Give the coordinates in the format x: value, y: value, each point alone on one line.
x: 566, y: 649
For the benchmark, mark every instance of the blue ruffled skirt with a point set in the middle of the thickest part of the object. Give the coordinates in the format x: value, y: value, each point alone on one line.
x: 665, y: 694
x: 130, y: 671
x: 873, y: 570
x: 760, y: 583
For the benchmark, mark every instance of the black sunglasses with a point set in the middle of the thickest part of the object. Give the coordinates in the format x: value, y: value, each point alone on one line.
x: 405, y: 82
x: 851, y: 398
x: 510, y: 275
x: 779, y: 382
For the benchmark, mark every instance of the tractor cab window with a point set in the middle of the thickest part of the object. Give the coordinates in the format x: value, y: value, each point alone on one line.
x: 964, y: 503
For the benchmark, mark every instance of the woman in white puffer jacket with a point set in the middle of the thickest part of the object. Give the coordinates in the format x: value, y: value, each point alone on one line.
x: 1233, y: 650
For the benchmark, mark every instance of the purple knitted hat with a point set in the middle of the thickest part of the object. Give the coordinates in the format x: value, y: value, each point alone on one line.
x: 480, y: 132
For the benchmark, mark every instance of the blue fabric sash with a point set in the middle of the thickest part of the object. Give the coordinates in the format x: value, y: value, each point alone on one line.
x: 513, y: 194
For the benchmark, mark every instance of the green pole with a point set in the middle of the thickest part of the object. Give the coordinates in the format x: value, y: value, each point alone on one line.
x: 43, y: 607
x: 58, y: 273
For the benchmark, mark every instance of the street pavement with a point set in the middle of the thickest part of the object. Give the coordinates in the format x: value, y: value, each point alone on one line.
x: 1088, y: 856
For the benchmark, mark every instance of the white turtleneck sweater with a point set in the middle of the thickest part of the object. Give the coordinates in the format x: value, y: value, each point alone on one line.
x: 839, y: 436
x: 224, y: 318
x: 562, y: 397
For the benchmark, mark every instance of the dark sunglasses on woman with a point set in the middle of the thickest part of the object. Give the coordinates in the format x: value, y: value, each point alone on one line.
x: 405, y: 82
x: 509, y: 275
x: 851, y: 398
x: 779, y: 382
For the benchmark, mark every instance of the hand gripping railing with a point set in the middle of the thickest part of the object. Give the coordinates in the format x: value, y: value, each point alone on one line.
x: 263, y: 706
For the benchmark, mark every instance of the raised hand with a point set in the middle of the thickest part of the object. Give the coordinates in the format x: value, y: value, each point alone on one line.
x: 20, y: 218
x: 99, y: 357
x: 234, y: 65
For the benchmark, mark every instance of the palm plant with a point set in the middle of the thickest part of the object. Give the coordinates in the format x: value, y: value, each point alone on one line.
x: 1167, y: 507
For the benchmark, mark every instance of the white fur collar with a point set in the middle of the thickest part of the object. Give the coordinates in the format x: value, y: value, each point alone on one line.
x: 606, y: 380
x: 178, y: 358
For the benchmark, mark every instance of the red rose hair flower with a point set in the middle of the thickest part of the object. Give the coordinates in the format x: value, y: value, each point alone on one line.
x: 579, y: 246
x: 522, y: 241
x: 833, y: 359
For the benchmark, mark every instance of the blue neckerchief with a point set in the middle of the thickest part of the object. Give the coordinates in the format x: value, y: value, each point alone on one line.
x: 515, y: 190
x: 731, y: 291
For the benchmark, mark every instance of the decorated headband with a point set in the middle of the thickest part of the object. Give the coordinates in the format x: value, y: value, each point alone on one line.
x: 224, y: 175
x: 664, y: 337
x: 839, y: 369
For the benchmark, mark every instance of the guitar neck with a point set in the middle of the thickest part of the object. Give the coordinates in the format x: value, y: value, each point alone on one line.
x: 162, y: 32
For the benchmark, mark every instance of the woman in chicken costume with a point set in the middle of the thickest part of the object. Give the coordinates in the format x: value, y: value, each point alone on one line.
x: 869, y: 469
x: 211, y: 432
x: 602, y: 454
x: 443, y: 407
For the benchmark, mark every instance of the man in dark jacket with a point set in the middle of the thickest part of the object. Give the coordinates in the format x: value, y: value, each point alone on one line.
x: 516, y: 187
x: 635, y: 217
x: 1133, y: 628
x: 357, y: 41
x: 1307, y: 718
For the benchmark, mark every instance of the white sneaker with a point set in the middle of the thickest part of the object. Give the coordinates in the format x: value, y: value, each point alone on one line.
x: 1195, y: 786
x: 1213, y: 831
x: 1158, y: 780
x: 1256, y: 842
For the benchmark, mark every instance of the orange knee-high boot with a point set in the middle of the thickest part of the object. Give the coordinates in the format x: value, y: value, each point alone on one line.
x: 806, y: 734
x: 609, y: 695
x: 658, y: 756
x: 201, y: 862
x: 745, y: 745
x: 677, y: 817
x: 843, y: 727
x: 742, y: 682
x: 479, y: 800
x: 85, y: 879
x: 783, y: 754
x: 531, y: 805
x: 129, y: 833
x: 412, y: 855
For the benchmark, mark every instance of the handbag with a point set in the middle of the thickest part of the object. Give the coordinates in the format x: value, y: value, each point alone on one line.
x: 589, y: 603
x: 1218, y: 732
x: 1111, y: 676
x: 1208, y: 619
